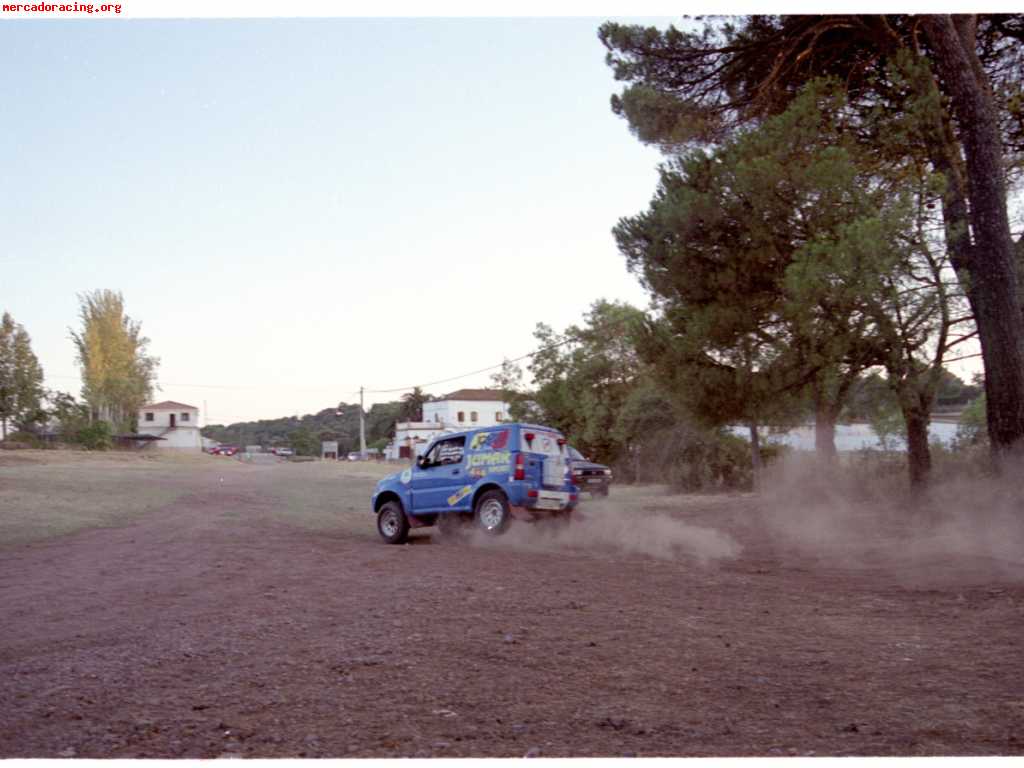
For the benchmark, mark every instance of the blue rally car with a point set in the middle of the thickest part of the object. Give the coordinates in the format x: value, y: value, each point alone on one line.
x: 491, y: 474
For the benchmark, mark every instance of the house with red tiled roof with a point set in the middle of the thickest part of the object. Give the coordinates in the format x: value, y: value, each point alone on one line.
x: 175, y: 424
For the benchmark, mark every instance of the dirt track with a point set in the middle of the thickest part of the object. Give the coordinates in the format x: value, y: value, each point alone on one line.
x: 255, y: 613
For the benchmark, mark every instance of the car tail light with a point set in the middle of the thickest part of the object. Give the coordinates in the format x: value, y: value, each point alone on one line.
x: 520, y: 473
x: 532, y: 493
x: 573, y: 497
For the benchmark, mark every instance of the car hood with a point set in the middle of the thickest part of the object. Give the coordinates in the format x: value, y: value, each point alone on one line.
x: 586, y: 465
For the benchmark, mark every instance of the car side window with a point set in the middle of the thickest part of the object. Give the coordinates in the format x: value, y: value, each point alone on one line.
x: 446, y: 452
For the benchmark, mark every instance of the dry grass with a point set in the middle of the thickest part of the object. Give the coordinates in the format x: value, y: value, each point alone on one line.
x: 51, y: 493
x: 45, y: 493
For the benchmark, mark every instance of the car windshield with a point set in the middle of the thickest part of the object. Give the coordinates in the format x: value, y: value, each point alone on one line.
x: 576, y: 455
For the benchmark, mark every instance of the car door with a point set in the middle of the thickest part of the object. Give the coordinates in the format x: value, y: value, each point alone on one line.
x: 440, y: 483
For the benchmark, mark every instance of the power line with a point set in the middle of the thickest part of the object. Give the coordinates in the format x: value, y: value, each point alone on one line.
x: 568, y: 340
x: 561, y: 343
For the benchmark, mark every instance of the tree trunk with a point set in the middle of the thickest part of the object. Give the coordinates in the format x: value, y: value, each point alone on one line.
x: 919, y: 455
x: 993, y: 272
x: 755, y: 454
x: 825, y: 432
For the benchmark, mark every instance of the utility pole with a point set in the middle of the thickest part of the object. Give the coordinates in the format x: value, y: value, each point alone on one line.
x: 362, y: 428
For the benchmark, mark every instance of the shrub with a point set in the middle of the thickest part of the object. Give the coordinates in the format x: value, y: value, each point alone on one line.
x: 26, y: 439
x: 973, y: 426
x: 96, y: 437
x: 693, y: 459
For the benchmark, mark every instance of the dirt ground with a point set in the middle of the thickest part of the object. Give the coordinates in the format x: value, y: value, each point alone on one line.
x: 201, y: 607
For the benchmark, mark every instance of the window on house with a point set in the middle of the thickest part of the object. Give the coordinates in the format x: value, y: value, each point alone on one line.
x: 462, y: 416
x: 184, y: 417
x: 472, y: 416
x: 149, y: 416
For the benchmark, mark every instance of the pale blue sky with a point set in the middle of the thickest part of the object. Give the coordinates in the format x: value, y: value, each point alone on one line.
x: 293, y: 208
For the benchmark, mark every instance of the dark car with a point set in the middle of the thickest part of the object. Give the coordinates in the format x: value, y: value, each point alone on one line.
x: 590, y: 476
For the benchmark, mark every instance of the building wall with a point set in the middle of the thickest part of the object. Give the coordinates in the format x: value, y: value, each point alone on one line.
x: 184, y: 435
x: 447, y: 412
x: 162, y: 419
x: 423, y: 431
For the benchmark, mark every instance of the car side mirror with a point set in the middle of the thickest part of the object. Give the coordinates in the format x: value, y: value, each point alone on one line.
x: 421, y: 461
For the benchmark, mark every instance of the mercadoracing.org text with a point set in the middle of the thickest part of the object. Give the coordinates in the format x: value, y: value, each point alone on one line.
x: 61, y: 8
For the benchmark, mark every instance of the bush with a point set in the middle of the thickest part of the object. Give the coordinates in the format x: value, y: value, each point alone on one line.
x: 973, y: 426
x: 692, y: 459
x: 96, y: 437
x: 25, y: 439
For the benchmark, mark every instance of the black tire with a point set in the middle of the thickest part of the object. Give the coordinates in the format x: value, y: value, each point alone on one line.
x: 392, y: 524
x: 492, y: 512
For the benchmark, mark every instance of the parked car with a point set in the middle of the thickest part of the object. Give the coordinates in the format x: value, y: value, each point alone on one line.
x: 590, y: 476
x: 489, y: 475
x: 226, y: 450
x: 284, y: 452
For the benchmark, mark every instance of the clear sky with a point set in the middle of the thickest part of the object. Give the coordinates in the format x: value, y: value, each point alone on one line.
x: 295, y: 208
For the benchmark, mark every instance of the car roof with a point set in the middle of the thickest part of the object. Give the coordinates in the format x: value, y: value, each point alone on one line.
x: 503, y: 425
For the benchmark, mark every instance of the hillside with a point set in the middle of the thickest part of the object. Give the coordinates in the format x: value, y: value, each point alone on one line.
x: 304, y: 433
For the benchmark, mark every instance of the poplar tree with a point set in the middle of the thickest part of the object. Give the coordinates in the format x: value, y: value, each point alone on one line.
x: 117, y: 372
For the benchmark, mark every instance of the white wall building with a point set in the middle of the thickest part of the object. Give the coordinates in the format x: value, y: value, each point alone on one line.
x: 176, y: 423
x: 412, y: 437
x: 462, y: 409
x: 467, y: 408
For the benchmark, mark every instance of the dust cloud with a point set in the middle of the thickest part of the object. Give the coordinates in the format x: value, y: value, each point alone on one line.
x: 865, y: 516
x: 636, y: 525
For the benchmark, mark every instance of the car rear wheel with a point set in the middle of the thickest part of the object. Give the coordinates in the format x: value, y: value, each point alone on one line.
x: 392, y: 524
x: 492, y: 512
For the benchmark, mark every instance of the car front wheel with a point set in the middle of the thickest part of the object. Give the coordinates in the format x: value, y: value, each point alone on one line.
x: 391, y: 523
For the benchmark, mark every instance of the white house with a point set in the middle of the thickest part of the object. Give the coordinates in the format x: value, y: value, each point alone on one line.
x: 176, y: 423
x: 462, y: 409
x: 467, y: 408
x: 411, y: 437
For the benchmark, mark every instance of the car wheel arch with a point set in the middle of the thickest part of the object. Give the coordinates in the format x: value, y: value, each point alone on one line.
x: 484, y: 489
x: 387, y: 496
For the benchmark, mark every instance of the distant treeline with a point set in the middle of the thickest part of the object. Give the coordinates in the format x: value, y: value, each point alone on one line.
x: 305, y: 433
